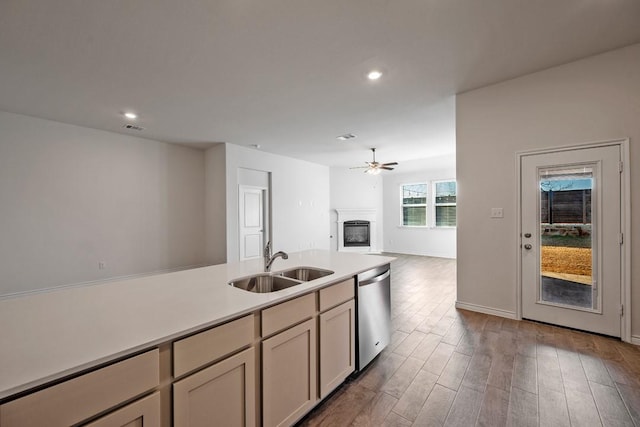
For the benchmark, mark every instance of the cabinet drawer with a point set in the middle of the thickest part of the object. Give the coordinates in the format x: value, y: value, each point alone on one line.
x: 77, y: 399
x: 336, y: 294
x: 141, y: 413
x: 288, y: 313
x: 203, y: 348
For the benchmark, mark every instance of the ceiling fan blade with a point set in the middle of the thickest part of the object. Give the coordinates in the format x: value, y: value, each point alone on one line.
x: 374, y: 167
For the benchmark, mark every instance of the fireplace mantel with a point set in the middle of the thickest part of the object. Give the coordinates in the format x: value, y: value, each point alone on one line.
x: 355, y: 215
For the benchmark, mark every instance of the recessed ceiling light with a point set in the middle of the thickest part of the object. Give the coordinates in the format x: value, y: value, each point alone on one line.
x: 374, y: 75
x: 346, y: 137
x: 131, y: 115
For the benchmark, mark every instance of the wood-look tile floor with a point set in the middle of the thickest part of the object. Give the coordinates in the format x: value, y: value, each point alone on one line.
x: 460, y: 368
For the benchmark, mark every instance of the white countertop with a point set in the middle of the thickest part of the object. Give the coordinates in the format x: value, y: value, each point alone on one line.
x: 50, y: 335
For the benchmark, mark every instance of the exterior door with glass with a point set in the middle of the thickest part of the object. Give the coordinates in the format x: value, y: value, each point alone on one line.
x: 571, y: 237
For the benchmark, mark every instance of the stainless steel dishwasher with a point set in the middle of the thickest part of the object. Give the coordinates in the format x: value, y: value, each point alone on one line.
x: 373, y: 313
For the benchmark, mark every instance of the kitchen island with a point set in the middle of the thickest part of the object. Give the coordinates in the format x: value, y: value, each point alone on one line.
x: 53, y: 336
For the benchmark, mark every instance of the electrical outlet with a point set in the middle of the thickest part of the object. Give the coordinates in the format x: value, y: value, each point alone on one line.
x: 497, y: 213
x: 102, y: 265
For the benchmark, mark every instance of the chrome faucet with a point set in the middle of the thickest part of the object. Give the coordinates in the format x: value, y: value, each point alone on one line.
x: 268, y: 258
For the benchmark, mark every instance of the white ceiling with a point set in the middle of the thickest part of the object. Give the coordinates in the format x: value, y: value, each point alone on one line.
x: 288, y: 75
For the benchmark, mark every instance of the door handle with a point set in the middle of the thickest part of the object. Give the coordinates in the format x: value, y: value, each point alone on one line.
x: 528, y: 247
x: 375, y: 279
x: 527, y: 235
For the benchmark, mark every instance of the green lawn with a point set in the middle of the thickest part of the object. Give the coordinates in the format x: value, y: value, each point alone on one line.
x: 567, y: 241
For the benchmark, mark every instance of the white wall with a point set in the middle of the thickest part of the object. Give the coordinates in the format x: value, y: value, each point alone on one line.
x: 71, y: 197
x: 594, y: 99
x: 353, y: 189
x: 216, y: 204
x: 299, y: 200
x: 430, y: 241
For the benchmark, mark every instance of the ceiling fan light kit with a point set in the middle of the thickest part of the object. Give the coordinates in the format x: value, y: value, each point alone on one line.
x: 373, y: 167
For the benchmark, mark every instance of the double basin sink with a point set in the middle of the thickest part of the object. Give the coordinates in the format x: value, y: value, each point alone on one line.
x: 272, y: 282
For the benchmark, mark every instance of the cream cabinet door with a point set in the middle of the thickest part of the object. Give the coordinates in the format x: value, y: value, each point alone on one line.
x: 141, y: 413
x: 289, y: 373
x: 220, y: 395
x: 337, y: 346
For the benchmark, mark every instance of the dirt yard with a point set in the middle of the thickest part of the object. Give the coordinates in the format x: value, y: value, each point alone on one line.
x: 570, y: 261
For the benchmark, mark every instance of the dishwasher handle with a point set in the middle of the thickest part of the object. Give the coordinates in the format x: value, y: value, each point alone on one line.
x: 375, y: 279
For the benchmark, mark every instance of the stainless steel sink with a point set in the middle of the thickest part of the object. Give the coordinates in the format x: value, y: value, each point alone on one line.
x: 265, y: 282
x: 306, y: 274
x: 272, y: 282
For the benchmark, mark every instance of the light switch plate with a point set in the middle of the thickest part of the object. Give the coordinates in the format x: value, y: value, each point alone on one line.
x: 497, y: 213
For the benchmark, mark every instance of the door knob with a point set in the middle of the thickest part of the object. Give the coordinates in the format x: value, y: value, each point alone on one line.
x: 528, y: 246
x: 527, y: 235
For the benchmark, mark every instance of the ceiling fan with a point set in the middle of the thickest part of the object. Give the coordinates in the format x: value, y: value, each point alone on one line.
x: 373, y: 167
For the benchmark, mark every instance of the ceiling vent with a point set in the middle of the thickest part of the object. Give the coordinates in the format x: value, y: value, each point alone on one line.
x: 346, y: 137
x: 133, y: 127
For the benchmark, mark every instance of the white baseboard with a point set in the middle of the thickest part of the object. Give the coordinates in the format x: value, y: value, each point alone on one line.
x: 486, y: 310
x: 429, y: 255
x: 635, y: 339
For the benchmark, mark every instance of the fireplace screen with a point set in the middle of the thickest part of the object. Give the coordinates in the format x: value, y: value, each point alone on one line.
x: 356, y: 233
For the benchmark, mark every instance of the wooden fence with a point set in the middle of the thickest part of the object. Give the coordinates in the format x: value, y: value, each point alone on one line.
x: 565, y: 207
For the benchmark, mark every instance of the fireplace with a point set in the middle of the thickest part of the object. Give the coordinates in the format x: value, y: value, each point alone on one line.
x: 357, y: 230
x: 356, y: 233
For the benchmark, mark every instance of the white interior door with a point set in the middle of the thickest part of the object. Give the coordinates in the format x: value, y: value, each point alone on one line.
x: 251, y: 221
x: 571, y: 237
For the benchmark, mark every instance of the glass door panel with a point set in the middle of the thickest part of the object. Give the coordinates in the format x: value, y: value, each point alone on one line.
x: 566, y: 237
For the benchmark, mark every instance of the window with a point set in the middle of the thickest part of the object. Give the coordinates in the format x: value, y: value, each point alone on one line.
x: 414, y: 205
x: 444, y: 195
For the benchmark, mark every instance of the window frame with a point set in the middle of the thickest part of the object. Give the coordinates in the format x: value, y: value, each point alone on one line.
x: 434, y: 204
x: 425, y: 205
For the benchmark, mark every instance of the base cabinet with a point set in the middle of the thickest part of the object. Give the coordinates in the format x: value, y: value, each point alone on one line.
x: 220, y: 395
x: 141, y: 413
x: 289, y: 374
x: 337, y: 346
x: 73, y: 401
x: 267, y: 368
